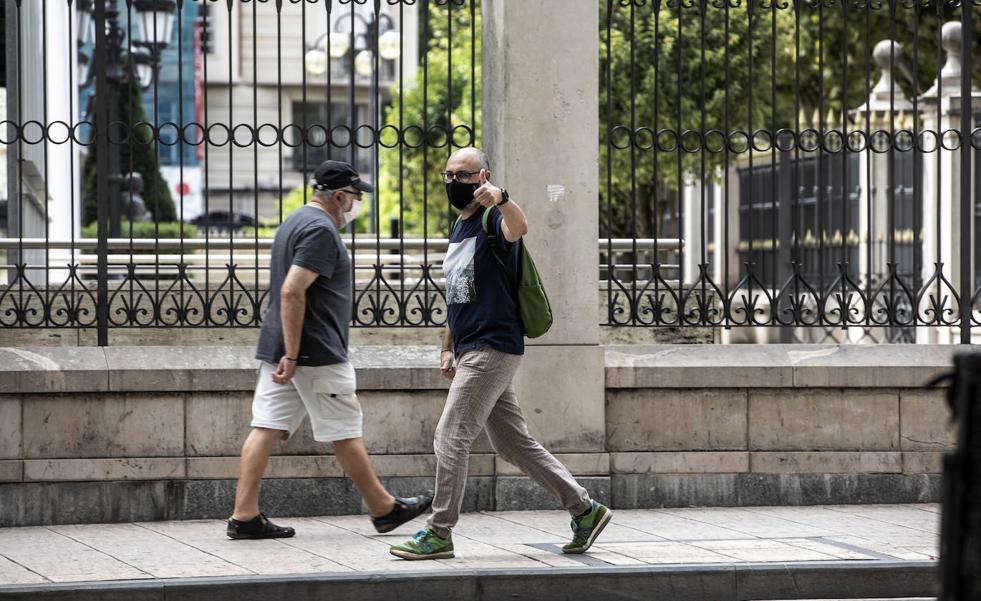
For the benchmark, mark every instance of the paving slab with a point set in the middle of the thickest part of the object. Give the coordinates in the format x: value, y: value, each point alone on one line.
x: 333, y: 553
x: 59, y: 558
x: 150, y: 552
x: 255, y: 558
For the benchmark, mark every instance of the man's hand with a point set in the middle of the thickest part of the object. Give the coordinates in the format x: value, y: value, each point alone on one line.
x: 284, y: 371
x: 487, y: 194
x: 446, y: 365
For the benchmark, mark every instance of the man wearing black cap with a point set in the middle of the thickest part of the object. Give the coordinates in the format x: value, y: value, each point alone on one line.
x: 303, y: 349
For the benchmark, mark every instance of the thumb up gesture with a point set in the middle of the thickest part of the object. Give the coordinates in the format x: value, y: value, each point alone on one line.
x: 487, y: 194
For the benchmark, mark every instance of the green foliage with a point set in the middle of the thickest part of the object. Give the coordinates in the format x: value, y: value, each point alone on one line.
x: 294, y: 199
x: 758, y: 65
x: 146, y: 229
x: 677, y: 70
x: 136, y: 155
x: 410, y: 187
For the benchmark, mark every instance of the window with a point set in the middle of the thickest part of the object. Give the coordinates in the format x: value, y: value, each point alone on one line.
x: 323, y: 142
x: 206, y: 28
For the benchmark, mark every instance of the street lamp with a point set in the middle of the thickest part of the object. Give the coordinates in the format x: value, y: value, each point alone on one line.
x: 344, y: 40
x: 337, y: 43
x: 155, y: 24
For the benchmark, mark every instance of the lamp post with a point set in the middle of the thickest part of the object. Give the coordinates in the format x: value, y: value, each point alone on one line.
x: 377, y: 39
x: 155, y: 22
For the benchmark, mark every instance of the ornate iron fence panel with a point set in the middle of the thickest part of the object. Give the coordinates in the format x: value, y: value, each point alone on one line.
x: 153, y: 146
x: 813, y: 158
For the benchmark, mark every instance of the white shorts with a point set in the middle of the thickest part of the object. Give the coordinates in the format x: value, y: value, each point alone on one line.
x: 326, y: 393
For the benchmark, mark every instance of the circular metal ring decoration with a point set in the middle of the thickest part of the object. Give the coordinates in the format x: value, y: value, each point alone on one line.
x: 620, y: 137
x: 667, y: 140
x: 951, y: 139
x: 904, y: 140
x: 263, y: 139
x: 714, y: 141
x: 762, y: 140
x: 316, y: 136
x: 224, y: 136
x: 25, y: 135
x: 469, y: 136
x: 245, y: 142
x: 738, y: 142
x: 50, y: 135
x: 809, y: 140
x: 293, y: 132
x: 388, y: 141
x: 881, y: 141
x: 644, y: 138
x: 364, y: 128
x: 438, y: 130
x: 857, y: 141
x: 144, y: 133
x: 10, y: 125
x: 79, y: 137
x: 691, y: 141
x: 785, y: 139
x: 413, y: 137
x: 119, y: 127
x: 833, y: 141
x: 165, y: 138
x: 198, y: 139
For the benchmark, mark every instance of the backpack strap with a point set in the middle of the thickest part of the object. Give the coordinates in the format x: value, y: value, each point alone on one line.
x: 491, y: 236
x: 495, y: 247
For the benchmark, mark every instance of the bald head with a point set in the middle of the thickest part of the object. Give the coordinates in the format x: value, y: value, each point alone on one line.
x: 474, y: 158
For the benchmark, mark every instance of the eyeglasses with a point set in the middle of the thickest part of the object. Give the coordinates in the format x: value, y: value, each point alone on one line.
x: 356, y: 193
x: 449, y: 176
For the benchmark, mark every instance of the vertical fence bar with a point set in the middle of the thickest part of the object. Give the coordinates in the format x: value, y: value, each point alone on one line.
x: 102, y: 171
x: 966, y: 210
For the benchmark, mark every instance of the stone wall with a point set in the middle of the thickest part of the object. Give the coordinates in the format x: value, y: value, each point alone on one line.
x: 118, y: 434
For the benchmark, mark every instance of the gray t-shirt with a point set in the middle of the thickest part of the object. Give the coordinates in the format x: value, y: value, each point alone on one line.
x: 309, y: 238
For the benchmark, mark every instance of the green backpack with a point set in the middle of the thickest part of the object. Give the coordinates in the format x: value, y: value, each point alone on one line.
x: 533, y: 306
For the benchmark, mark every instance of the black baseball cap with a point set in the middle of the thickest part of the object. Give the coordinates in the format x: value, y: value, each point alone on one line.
x: 334, y: 175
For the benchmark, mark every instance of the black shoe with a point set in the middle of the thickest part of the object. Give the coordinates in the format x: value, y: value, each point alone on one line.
x: 404, y: 511
x: 257, y: 527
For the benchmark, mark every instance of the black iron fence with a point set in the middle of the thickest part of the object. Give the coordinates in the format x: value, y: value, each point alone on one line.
x: 153, y: 146
x: 801, y: 165
x: 813, y: 156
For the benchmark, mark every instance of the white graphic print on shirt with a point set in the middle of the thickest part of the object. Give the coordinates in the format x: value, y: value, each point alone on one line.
x: 458, y: 268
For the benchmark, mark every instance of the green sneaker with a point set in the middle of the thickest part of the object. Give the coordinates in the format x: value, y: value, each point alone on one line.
x: 424, y: 545
x: 587, y: 528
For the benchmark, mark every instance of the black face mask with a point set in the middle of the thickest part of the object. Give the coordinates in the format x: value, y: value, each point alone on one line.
x: 460, y: 194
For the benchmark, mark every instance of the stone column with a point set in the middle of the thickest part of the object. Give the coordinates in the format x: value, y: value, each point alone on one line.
x: 691, y: 198
x: 540, y: 123
x: 941, y: 228
x: 887, y: 104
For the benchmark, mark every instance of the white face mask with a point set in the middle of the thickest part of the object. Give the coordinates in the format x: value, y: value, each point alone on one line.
x: 350, y: 216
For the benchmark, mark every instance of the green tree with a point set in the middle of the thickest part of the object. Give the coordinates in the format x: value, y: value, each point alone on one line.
x: 685, y: 66
x: 674, y: 72
x: 410, y: 187
x: 136, y: 155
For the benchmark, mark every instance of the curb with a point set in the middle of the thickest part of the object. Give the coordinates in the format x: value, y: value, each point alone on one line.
x: 708, y: 582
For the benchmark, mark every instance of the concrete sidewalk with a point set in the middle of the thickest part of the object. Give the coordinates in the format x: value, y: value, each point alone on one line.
x: 516, y: 542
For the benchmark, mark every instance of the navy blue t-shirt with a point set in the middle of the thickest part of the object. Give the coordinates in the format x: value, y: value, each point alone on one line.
x: 480, y: 287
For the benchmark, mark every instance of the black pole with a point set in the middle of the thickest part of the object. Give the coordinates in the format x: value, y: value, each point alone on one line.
x: 102, y: 169
x: 966, y: 219
x: 115, y: 79
x: 784, y: 268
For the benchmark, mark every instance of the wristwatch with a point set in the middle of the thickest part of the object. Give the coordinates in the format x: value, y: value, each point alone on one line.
x: 505, y: 197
